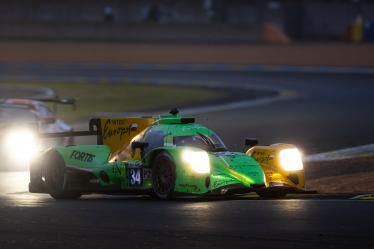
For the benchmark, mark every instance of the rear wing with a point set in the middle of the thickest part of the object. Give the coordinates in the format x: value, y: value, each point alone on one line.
x: 53, y: 100
x: 64, y: 101
x: 57, y: 100
x: 117, y: 133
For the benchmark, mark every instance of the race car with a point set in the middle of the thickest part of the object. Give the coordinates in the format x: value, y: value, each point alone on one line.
x: 20, y: 122
x: 163, y: 156
x: 283, y: 168
x: 47, y: 119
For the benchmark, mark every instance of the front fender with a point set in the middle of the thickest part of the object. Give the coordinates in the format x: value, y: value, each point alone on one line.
x: 235, y: 168
x: 186, y: 180
x: 226, y: 168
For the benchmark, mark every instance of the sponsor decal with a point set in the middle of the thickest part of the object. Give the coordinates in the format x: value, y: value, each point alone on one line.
x: 220, y: 183
x: 134, y: 164
x: 82, y: 156
x: 147, y: 174
x: 116, y: 170
x: 190, y: 186
x: 263, y: 157
x: 225, y: 154
x: 110, y: 131
x: 135, y: 177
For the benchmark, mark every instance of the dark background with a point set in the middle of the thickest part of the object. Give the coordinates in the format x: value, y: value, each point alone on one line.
x: 234, y: 20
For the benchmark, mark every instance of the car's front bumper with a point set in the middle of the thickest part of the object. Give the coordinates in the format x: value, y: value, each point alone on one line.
x: 235, y: 189
x: 288, y: 189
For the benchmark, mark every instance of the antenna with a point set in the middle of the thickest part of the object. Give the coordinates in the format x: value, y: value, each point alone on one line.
x: 174, y: 111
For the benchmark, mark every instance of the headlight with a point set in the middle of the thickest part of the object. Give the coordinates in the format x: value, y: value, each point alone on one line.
x: 197, y: 160
x: 290, y: 159
x: 21, y: 145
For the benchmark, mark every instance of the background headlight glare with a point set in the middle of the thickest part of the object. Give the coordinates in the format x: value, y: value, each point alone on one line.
x: 21, y: 145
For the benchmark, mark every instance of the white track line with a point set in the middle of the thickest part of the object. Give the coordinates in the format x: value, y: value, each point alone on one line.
x: 347, y: 153
x: 209, y: 108
x: 203, y: 109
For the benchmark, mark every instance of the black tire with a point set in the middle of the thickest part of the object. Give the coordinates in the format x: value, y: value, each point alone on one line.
x: 272, y: 193
x: 163, y: 176
x: 55, y: 177
x: 36, y: 184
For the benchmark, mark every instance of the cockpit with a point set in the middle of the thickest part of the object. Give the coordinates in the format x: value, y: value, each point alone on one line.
x: 167, y: 135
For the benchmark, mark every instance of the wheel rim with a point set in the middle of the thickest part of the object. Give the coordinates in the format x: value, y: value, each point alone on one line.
x: 163, y: 177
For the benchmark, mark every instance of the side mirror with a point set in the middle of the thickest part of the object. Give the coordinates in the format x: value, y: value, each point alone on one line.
x: 174, y: 111
x: 134, y: 127
x: 250, y: 142
x: 139, y: 145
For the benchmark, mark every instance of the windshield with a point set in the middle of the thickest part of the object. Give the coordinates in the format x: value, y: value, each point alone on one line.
x: 43, y: 110
x: 205, y: 142
x: 8, y: 115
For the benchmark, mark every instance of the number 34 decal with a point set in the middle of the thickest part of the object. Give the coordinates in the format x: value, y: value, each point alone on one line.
x: 135, y: 177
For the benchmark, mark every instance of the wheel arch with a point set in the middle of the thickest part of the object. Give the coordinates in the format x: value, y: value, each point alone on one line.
x: 38, y: 169
x: 150, y: 156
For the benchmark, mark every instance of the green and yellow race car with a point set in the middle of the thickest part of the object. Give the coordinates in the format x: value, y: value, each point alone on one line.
x: 163, y: 156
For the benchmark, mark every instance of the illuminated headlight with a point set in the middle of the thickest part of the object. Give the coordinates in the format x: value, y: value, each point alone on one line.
x: 197, y: 160
x: 291, y: 159
x: 21, y: 145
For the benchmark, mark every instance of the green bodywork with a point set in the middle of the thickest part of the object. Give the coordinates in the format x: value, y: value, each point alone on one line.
x: 226, y: 168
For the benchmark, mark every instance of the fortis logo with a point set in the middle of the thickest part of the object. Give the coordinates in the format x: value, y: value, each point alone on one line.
x: 82, y: 156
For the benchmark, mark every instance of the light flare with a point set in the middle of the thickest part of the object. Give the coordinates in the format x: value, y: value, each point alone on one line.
x: 291, y: 159
x: 21, y: 145
x: 197, y: 160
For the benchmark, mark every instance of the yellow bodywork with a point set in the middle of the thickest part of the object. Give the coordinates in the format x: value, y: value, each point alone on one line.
x: 268, y: 157
x: 117, y: 133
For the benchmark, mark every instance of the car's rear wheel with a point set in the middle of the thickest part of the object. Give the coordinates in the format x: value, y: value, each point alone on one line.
x: 55, y: 177
x: 272, y: 193
x: 163, y: 176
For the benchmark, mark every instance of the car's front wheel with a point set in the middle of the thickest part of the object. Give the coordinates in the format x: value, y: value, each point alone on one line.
x: 163, y: 176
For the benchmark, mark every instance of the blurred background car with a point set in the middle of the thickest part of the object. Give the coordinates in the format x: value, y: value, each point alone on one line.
x: 21, y: 121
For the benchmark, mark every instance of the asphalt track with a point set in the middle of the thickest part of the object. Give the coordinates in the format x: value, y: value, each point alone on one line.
x: 324, y: 112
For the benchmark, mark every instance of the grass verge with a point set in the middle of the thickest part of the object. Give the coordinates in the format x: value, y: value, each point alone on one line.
x: 342, y: 176
x: 122, y: 97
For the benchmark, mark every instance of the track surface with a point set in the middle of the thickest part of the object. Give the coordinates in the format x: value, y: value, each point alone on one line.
x: 329, y: 112
x: 33, y: 222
